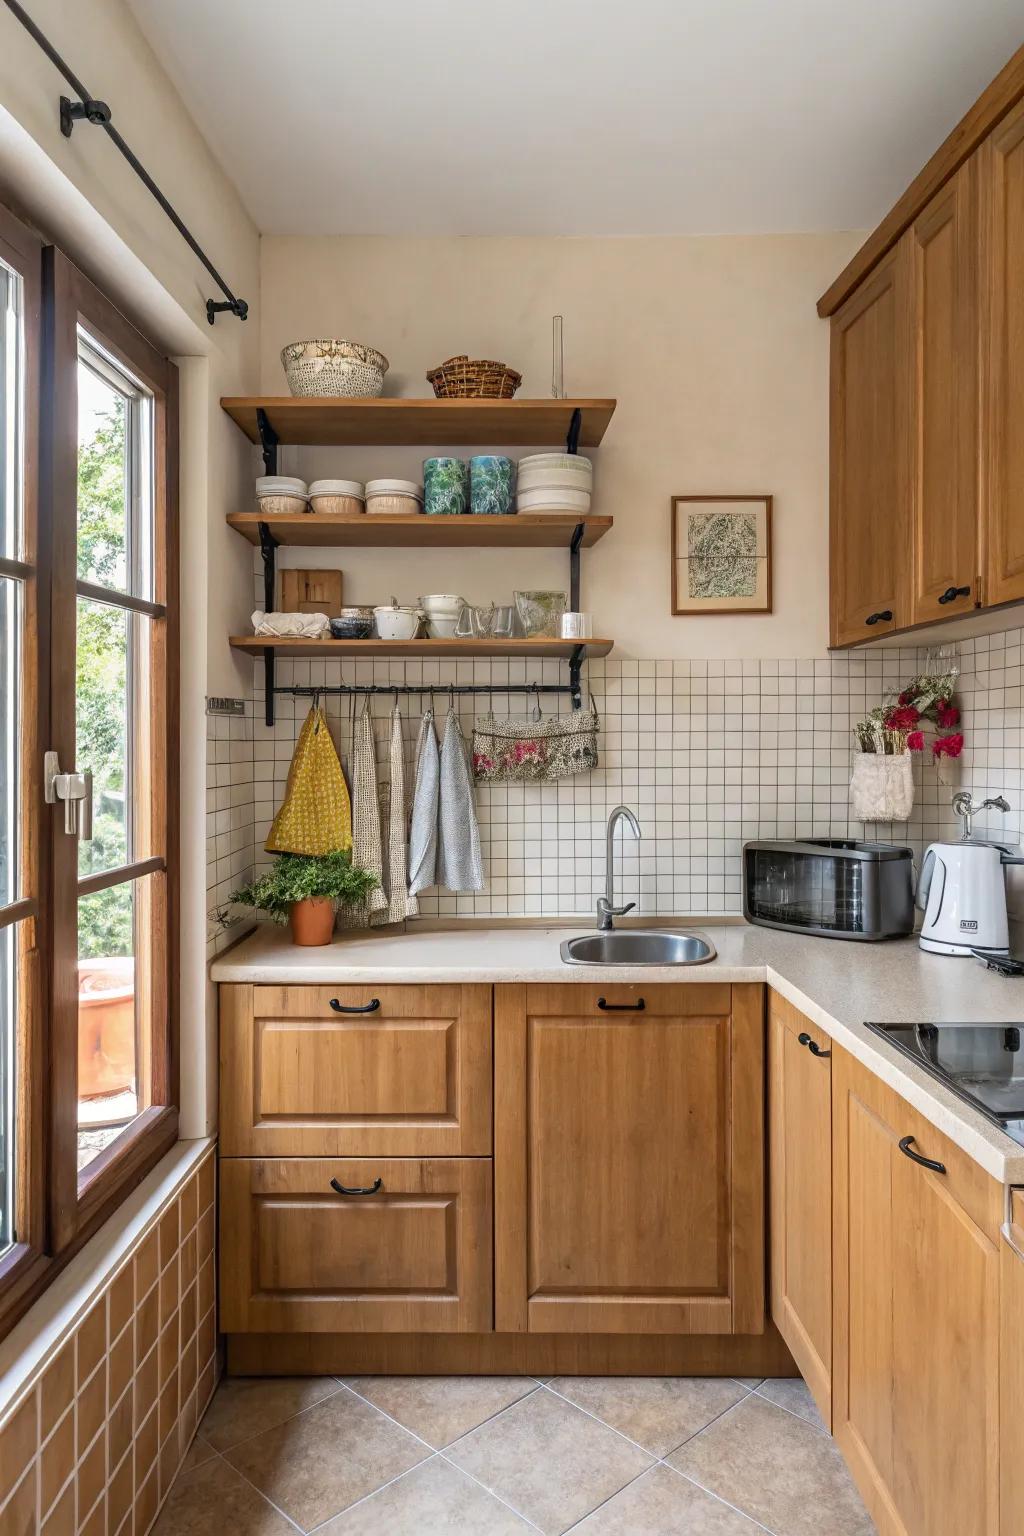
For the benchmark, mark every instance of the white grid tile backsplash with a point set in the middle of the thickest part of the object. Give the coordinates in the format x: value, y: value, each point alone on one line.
x: 707, y: 753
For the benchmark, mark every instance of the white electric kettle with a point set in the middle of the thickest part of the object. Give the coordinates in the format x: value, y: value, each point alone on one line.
x: 962, y: 889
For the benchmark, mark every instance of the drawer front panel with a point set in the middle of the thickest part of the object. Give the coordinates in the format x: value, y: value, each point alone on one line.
x: 298, y: 1256
x: 411, y: 1077
x: 661, y: 999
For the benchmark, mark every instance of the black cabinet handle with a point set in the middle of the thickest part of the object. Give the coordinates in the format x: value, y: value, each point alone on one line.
x: 370, y: 1007
x: 906, y: 1142
x: 952, y: 593
x: 883, y: 616
x: 340, y: 1189
x: 637, y: 1007
x: 812, y: 1045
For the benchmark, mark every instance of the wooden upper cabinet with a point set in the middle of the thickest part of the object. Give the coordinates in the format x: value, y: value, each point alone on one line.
x: 800, y: 1192
x: 870, y: 459
x: 945, y: 421
x: 916, y: 1363
x: 1002, y: 172
x: 355, y: 1071
x: 629, y: 1159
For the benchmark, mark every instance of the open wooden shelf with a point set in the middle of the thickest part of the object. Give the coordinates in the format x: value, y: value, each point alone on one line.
x: 311, y: 530
x: 328, y: 422
x: 419, y: 650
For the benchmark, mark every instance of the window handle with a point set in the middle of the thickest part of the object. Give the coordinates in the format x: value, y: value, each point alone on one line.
x: 75, y: 790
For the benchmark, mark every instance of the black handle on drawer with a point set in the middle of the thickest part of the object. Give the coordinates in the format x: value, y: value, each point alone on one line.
x: 370, y: 1007
x: 915, y: 1157
x: 340, y: 1189
x: 812, y: 1045
x: 637, y: 1007
x: 883, y: 616
x: 952, y: 593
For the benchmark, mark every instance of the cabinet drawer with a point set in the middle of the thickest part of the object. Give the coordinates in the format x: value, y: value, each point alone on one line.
x: 297, y: 1256
x: 406, y: 1072
x: 620, y: 999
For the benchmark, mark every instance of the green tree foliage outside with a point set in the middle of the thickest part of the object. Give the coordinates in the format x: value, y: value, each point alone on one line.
x: 104, y: 918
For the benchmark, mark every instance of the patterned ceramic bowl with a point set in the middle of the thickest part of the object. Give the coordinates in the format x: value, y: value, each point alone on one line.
x: 329, y: 367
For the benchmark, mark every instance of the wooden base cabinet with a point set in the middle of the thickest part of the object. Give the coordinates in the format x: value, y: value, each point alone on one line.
x: 629, y: 1159
x: 1011, y: 1395
x: 800, y: 1192
x: 916, y: 1347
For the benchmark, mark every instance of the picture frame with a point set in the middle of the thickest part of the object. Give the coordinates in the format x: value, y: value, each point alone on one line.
x: 721, y: 554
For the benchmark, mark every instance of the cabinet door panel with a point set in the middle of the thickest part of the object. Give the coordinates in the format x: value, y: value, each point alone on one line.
x: 299, y: 1257
x: 946, y: 441
x: 298, y: 1078
x: 1011, y: 1383
x: 628, y: 1164
x: 869, y: 443
x: 800, y: 1184
x: 1002, y: 172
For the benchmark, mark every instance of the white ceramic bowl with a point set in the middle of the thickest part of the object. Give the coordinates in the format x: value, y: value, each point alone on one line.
x: 337, y: 488
x: 394, y: 488
x: 326, y: 366
x: 442, y: 628
x: 277, y: 505
x: 396, y: 623
x: 545, y: 466
x: 280, y: 485
x: 442, y: 605
x: 555, y: 498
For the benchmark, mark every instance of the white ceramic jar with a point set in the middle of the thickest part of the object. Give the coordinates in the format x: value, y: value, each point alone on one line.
x: 341, y: 498
x: 554, y: 482
x: 277, y: 495
x: 394, y: 498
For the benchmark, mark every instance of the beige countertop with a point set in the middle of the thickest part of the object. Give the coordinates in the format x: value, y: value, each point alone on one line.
x: 838, y: 984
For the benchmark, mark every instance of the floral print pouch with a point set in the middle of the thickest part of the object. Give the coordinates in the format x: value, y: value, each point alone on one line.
x: 534, y: 748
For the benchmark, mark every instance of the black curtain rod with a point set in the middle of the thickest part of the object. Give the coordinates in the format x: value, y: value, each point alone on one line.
x: 89, y: 110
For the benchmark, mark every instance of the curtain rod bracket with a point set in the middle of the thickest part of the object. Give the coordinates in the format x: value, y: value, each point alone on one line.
x: 235, y: 306
x: 72, y: 112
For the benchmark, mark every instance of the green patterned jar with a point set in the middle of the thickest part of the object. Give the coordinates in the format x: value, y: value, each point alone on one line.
x: 492, y: 482
x: 445, y: 487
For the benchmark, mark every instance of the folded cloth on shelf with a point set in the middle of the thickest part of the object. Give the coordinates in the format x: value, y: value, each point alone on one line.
x: 308, y: 626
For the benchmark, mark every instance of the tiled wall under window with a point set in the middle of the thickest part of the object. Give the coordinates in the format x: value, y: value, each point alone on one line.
x: 708, y: 754
x: 93, y: 1444
x: 229, y: 815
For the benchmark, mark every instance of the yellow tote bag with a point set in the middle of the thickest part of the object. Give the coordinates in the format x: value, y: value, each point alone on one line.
x: 316, y: 814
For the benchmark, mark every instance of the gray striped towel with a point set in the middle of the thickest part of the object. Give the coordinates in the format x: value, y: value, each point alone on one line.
x: 459, y: 864
x: 423, y: 825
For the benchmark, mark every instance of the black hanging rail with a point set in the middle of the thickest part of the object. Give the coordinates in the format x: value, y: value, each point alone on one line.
x: 315, y: 691
x: 88, y: 109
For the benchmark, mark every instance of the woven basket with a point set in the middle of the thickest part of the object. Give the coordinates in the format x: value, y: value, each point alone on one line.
x: 465, y: 378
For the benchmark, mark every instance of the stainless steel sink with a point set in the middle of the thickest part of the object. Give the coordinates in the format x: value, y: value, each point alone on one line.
x: 638, y: 946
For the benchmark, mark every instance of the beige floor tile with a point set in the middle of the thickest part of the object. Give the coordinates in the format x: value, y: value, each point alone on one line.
x: 442, y: 1408
x: 435, y: 1497
x: 215, y: 1500
x: 661, y: 1503
x: 246, y: 1406
x: 658, y: 1412
x: 319, y: 1462
x: 549, y: 1461
x: 198, y: 1452
x: 776, y: 1468
x: 792, y: 1392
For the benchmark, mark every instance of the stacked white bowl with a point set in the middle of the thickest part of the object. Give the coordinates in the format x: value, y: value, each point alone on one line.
x: 554, y: 482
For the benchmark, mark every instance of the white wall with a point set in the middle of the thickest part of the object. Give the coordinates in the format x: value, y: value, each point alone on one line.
x: 84, y: 196
x: 711, y: 345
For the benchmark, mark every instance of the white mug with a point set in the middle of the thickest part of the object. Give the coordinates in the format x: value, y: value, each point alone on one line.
x: 577, y: 626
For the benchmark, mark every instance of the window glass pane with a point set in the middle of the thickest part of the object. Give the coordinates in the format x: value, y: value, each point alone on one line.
x: 101, y: 730
x: 8, y: 1038
x: 11, y: 410
x: 10, y: 731
x: 115, y: 477
x: 108, y: 1097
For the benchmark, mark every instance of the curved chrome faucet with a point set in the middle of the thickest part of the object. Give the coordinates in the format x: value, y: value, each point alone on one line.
x: 607, y: 911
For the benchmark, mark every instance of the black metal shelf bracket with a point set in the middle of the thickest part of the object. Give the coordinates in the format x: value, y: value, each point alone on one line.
x: 572, y: 441
x: 574, y: 566
x: 268, y: 550
x: 268, y: 441
x: 87, y: 109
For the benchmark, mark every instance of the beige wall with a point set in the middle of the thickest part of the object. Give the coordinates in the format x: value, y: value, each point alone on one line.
x: 712, y: 347
x: 84, y: 196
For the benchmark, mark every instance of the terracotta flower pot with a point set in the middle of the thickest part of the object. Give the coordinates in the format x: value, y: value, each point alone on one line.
x: 106, y: 1026
x: 312, y: 920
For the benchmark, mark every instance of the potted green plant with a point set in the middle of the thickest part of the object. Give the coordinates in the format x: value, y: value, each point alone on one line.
x: 306, y: 890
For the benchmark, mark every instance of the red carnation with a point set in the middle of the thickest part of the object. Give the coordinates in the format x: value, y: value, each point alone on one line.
x: 915, y: 741
x: 907, y: 696
x: 947, y: 714
x: 948, y: 746
x: 902, y: 718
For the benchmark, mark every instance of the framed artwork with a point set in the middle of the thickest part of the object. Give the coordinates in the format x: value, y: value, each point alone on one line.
x: 721, y: 554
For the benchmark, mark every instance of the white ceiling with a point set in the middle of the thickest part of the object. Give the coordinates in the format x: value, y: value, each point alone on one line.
x: 605, y: 117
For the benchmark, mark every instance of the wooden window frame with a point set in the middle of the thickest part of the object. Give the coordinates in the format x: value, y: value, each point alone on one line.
x: 56, y: 1209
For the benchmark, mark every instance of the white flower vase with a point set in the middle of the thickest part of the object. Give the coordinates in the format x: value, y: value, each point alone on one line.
x: 882, y: 787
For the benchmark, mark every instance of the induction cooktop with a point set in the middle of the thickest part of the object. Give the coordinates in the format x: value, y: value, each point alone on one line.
x: 982, y: 1063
